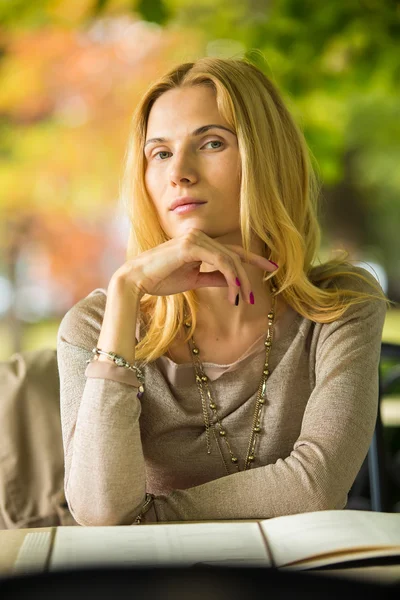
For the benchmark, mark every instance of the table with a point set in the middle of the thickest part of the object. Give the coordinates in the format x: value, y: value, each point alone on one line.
x: 10, y: 542
x: 12, y: 539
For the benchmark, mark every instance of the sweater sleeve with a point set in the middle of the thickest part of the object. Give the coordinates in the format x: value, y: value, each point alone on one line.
x: 336, y: 432
x: 99, y: 413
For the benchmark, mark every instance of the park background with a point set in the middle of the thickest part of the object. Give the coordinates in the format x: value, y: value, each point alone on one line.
x: 71, y: 73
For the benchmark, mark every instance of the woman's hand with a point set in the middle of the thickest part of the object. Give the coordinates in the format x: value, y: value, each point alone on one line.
x: 174, y: 267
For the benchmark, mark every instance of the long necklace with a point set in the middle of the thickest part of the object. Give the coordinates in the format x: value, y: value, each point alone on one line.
x: 216, y: 425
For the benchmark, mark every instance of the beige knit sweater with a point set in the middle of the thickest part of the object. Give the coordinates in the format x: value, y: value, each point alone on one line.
x: 317, y: 424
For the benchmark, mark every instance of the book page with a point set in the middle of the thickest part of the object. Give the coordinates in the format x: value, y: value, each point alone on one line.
x: 33, y: 553
x: 329, y: 535
x: 183, y: 544
x: 354, y: 556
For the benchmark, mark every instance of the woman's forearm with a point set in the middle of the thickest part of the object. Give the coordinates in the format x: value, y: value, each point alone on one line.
x: 105, y: 482
x: 105, y: 471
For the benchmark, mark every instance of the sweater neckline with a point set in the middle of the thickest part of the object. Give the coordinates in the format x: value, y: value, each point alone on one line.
x: 283, y: 331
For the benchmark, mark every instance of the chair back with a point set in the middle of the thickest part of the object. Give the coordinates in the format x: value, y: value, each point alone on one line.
x: 389, y: 380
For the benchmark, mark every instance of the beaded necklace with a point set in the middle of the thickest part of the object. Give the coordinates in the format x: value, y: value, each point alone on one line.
x: 216, y: 426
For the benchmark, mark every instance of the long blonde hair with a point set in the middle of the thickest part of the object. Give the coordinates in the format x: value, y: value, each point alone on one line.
x: 278, y: 201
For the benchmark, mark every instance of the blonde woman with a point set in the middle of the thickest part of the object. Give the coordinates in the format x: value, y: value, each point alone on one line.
x: 222, y: 374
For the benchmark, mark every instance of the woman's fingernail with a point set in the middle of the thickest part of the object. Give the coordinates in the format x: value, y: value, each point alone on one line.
x: 237, y: 281
x: 237, y: 300
x: 277, y: 266
x: 251, y: 298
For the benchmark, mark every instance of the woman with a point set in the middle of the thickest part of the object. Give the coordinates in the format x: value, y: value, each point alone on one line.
x: 201, y: 402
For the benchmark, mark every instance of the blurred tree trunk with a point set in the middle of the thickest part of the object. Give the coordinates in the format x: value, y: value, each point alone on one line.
x: 344, y: 214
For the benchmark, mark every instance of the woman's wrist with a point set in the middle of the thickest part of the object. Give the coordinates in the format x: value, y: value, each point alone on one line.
x: 119, y: 323
x: 121, y: 285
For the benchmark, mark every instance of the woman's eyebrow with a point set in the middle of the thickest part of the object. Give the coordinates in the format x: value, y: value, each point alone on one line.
x: 198, y: 131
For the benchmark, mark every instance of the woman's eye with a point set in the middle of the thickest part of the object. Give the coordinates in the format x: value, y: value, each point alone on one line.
x: 214, y: 142
x: 157, y: 155
x: 162, y: 152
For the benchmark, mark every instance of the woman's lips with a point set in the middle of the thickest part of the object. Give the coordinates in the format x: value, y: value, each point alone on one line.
x: 184, y: 208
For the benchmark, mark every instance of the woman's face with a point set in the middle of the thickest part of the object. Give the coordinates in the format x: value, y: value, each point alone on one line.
x: 203, y: 165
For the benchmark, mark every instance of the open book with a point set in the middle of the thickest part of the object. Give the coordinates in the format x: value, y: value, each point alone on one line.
x: 302, y: 541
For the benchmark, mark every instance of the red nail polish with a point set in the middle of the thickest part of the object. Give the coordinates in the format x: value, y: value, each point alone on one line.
x: 274, y: 263
x: 251, y: 298
x: 237, y: 281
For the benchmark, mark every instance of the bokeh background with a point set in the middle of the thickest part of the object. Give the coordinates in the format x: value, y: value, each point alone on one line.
x: 71, y: 72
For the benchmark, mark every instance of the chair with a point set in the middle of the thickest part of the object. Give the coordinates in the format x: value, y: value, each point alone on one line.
x: 31, y: 450
x: 389, y: 378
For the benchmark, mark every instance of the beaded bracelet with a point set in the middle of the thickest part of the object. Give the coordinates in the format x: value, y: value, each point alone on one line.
x: 121, y: 362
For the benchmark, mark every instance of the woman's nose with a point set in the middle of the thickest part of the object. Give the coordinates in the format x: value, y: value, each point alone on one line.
x: 183, y: 170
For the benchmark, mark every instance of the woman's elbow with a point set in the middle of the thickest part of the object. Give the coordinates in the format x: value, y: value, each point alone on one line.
x: 99, y: 520
x: 88, y: 516
x: 328, y: 500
